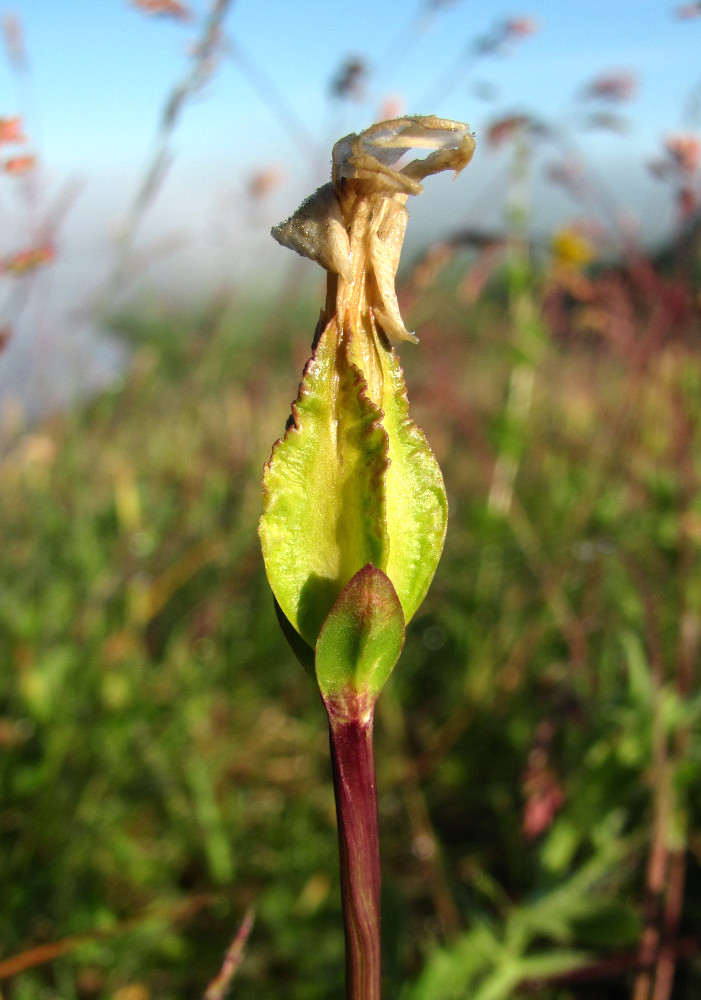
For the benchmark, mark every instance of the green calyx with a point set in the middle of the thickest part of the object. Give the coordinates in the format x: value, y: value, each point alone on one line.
x: 359, y: 642
x: 324, y: 498
x: 355, y: 510
x: 349, y: 485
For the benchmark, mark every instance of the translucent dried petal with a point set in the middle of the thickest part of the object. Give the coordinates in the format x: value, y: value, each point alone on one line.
x: 316, y: 230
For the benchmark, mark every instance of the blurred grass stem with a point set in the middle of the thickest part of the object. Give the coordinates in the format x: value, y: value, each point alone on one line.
x: 205, y: 52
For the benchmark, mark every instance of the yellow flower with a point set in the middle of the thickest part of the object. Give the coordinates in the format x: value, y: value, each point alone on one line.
x: 571, y: 250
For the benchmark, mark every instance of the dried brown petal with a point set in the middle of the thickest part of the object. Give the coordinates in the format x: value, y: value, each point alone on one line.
x: 316, y: 230
x: 354, y: 227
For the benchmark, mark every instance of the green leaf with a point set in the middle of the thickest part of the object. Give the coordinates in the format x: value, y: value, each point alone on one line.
x: 361, y: 639
x: 505, y: 979
x: 606, y: 923
x: 639, y: 679
x: 416, y: 504
x: 450, y: 972
x: 324, y: 508
x: 302, y: 650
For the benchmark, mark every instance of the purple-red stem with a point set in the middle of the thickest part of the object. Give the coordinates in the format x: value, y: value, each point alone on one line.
x: 356, y: 808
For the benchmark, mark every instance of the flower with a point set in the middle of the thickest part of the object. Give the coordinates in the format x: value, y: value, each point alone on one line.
x: 349, y: 81
x: 571, y: 249
x: 392, y: 107
x: 503, y: 129
x: 11, y: 130
x: 264, y: 181
x: 26, y: 261
x: 353, y: 487
x: 164, y: 8
x: 685, y: 151
x: 544, y: 797
x: 520, y: 27
x: 616, y: 86
x: 329, y: 228
x: 569, y: 174
x: 14, y: 39
x: 17, y: 165
x: 607, y: 120
x: 688, y: 11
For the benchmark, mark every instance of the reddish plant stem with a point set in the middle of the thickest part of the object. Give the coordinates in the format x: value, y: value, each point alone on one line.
x: 356, y: 808
x: 662, y: 806
x: 667, y: 958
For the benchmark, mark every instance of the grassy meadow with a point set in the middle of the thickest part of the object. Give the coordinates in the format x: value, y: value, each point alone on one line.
x: 164, y: 759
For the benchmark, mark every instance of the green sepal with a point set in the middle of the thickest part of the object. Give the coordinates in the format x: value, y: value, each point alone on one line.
x: 302, y: 650
x: 416, y: 506
x: 361, y: 639
x: 324, y: 498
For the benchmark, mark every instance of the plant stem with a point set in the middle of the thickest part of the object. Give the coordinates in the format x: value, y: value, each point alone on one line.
x: 356, y: 808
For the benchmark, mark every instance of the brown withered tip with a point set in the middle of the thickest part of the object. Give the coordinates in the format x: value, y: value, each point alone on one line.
x: 354, y: 226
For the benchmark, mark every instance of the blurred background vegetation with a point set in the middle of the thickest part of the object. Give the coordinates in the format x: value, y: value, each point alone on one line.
x: 163, y: 759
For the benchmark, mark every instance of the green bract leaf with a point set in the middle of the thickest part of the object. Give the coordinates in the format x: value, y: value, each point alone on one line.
x: 361, y: 640
x: 302, y: 650
x: 415, y: 502
x: 324, y: 506
x: 354, y: 482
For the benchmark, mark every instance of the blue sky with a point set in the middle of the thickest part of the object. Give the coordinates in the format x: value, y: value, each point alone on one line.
x: 100, y: 72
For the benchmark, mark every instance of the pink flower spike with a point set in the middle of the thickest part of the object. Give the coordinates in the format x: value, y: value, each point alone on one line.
x: 613, y: 86
x: 687, y: 203
x: 521, y: 27
x: 14, y: 39
x: 26, y: 261
x: 688, y: 11
x: 164, y: 8
x: 661, y: 169
x: 11, y: 130
x: 685, y: 150
x: 569, y: 174
x: 609, y: 121
x: 261, y: 183
x: 392, y: 107
x: 18, y: 165
x: 349, y: 82
x: 503, y: 129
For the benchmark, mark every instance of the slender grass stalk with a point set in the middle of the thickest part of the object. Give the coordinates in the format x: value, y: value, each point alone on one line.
x: 198, y: 71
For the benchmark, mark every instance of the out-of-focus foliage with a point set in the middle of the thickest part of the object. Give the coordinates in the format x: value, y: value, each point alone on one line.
x: 158, y: 742
x: 164, y: 760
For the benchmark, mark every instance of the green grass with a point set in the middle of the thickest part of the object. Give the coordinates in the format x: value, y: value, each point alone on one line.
x: 158, y: 742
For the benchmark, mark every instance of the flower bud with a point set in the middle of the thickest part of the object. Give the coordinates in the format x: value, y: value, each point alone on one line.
x: 353, y: 483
